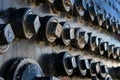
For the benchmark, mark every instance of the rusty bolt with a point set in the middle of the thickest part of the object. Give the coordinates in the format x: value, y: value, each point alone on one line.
x: 6, y: 33
x: 50, y: 29
x: 81, y: 38
x: 67, y: 34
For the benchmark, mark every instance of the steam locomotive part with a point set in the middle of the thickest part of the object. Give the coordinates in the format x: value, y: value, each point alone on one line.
x: 22, y: 67
x: 63, y: 64
x: 50, y: 28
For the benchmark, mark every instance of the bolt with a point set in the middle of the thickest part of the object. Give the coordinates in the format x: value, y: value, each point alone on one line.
x: 94, y: 69
x: 7, y: 35
x: 116, y: 52
x: 93, y: 43
x: 63, y: 64
x: 32, y: 22
x: 81, y: 38
x: 103, y: 70
x: 49, y: 26
x: 55, y: 29
x: 103, y: 47
x: 67, y: 34
x: 110, y: 50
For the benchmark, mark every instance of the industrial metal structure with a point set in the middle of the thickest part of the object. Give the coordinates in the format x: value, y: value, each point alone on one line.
x: 59, y: 40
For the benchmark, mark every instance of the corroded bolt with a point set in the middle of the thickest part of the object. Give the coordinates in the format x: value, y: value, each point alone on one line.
x: 81, y: 38
x: 50, y: 29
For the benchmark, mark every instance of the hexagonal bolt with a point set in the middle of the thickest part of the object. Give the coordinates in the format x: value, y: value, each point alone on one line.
x: 92, y: 12
x: 70, y: 62
x: 103, y: 70
x: 55, y: 29
x: 6, y: 33
x: 63, y: 64
x: 110, y: 50
x: 94, y: 69
x: 93, y: 43
x: 101, y: 18
x: 49, y: 26
x: 67, y: 34
x: 32, y: 21
x: 19, y: 17
x: 112, y: 26
x: 47, y: 78
x: 95, y: 78
x: 81, y: 38
x: 116, y: 52
x: 103, y: 47
x: 64, y: 5
x: 107, y: 20
x: 83, y: 66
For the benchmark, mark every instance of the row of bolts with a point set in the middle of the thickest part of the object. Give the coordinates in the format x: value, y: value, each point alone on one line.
x: 63, y: 64
x: 26, y: 25
x: 89, y: 10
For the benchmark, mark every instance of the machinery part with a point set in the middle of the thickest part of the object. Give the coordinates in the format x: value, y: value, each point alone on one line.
x: 103, y: 47
x: 64, y: 5
x: 67, y: 34
x: 6, y: 33
x: 28, y: 22
x: 92, y: 42
x: 63, y: 64
x: 4, y: 48
x: 47, y: 78
x: 81, y: 38
x: 94, y: 69
x: 50, y: 29
x: 110, y: 50
x: 116, y: 52
x: 22, y: 67
x: 82, y: 66
x: 103, y: 70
